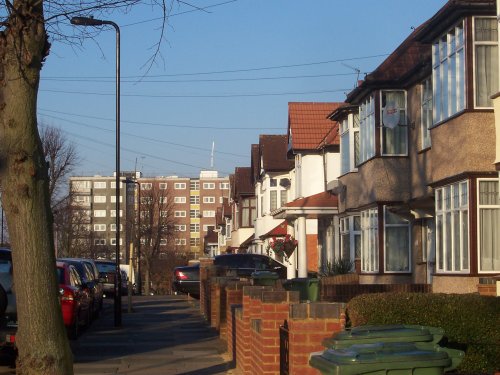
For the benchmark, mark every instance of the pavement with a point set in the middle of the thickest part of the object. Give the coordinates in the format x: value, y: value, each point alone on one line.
x: 162, y: 335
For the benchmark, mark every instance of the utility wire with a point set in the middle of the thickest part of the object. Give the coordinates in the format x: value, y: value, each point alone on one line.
x: 155, y: 123
x: 142, y: 137
x: 196, y: 96
x: 238, y: 70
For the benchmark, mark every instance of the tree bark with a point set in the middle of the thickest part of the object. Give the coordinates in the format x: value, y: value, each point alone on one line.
x: 41, y: 337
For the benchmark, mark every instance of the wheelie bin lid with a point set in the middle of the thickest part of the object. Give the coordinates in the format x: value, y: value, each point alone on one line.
x: 384, y: 333
x: 264, y: 275
x: 370, y: 358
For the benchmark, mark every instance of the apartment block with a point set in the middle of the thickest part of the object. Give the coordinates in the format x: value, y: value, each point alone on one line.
x: 185, y: 209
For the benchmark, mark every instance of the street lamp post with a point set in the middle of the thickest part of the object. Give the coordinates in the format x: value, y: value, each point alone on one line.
x: 88, y: 21
x: 138, y: 236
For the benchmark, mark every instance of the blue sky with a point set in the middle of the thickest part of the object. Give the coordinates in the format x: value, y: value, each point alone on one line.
x: 226, y: 75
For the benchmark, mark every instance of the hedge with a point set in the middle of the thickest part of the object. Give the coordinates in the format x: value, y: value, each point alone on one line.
x: 471, y: 322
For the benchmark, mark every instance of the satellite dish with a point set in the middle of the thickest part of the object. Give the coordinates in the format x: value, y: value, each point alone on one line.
x: 285, y: 182
x: 390, y: 115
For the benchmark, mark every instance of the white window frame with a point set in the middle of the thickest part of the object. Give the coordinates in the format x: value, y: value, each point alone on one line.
x: 146, y: 200
x: 180, y: 186
x: 81, y: 199
x: 224, y: 185
x: 163, y: 242
x: 402, y: 124
x: 486, y: 207
x: 194, y: 241
x: 209, y: 213
x: 369, y: 241
x: 99, y: 184
x: 113, y: 199
x: 403, y: 223
x: 99, y: 213
x: 443, y: 56
x: 162, y: 186
x: 112, y: 227
x: 444, y: 217
x: 194, y: 185
x: 194, y: 199
x: 194, y: 214
x: 113, y: 213
x: 99, y: 227
x: 426, y: 99
x: 347, y: 228
x: 180, y: 213
x: 349, y: 131
x: 490, y: 43
x: 180, y: 227
x: 209, y: 200
x: 99, y: 199
x: 146, y: 185
x: 194, y: 228
x: 112, y: 185
x: 180, y: 241
x: 99, y: 241
x: 206, y: 227
x: 209, y: 185
x: 178, y: 199
x: 367, y: 129
x: 112, y: 241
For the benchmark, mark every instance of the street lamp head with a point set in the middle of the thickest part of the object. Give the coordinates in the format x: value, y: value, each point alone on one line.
x: 86, y: 21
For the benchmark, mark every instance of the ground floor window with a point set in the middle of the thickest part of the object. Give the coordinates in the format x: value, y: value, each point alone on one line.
x: 489, y: 225
x: 452, y: 228
x: 350, y: 237
x: 397, y: 242
x: 369, y: 240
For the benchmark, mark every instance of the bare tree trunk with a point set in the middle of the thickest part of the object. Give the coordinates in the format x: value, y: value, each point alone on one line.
x: 41, y: 337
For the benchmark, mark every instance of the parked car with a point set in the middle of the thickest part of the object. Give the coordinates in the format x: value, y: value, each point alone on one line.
x: 243, y: 265
x: 107, y: 272
x: 74, y: 297
x: 87, y: 273
x: 187, y: 280
x: 8, y: 307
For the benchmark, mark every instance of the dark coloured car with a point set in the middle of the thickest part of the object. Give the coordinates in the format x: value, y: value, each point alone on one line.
x: 75, y: 299
x: 187, y: 280
x: 8, y: 307
x: 107, y: 272
x: 89, y: 281
x: 243, y: 265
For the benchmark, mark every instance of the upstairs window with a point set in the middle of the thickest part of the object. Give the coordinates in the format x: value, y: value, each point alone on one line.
x: 146, y: 186
x: 394, y: 129
x: 367, y: 129
x: 349, y: 143
x: 448, y: 72
x: 486, y: 60
x: 426, y: 112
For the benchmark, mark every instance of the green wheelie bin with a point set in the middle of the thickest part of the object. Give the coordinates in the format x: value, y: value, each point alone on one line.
x: 369, y: 334
x: 391, y: 358
x: 264, y: 278
x: 307, y: 287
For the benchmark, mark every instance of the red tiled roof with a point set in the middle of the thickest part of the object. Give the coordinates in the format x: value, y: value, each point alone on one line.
x: 308, y: 123
x: 320, y: 200
x: 279, y: 230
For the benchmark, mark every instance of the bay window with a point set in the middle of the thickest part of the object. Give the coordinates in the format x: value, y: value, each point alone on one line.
x: 248, y: 212
x: 369, y: 240
x: 486, y: 60
x: 350, y: 237
x: 397, y: 242
x: 367, y: 129
x: 489, y: 225
x: 452, y: 228
x: 426, y: 112
x: 448, y: 72
x: 394, y: 129
x: 349, y: 143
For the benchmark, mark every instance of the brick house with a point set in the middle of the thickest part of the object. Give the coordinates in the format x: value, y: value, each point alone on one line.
x: 419, y: 194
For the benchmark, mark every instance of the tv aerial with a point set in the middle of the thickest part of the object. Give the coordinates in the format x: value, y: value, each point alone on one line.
x: 357, y: 70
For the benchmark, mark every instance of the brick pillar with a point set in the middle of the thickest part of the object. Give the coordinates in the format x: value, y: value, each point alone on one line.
x: 243, y: 318
x: 309, y: 324
x: 205, y: 274
x: 234, y: 296
x: 274, y: 310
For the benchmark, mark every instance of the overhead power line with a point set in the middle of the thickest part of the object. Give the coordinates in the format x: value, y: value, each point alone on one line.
x: 236, y: 70
x: 159, y: 124
x: 196, y: 96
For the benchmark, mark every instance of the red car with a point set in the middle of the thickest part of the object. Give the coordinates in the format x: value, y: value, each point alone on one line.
x: 75, y: 300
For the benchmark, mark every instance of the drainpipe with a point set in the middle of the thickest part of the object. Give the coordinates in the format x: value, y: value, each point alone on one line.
x: 496, y: 105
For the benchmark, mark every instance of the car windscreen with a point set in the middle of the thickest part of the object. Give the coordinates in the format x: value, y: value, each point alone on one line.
x: 106, y: 267
x: 60, y: 275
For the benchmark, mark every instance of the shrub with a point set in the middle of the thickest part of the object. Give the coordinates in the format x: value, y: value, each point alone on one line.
x: 338, y: 267
x: 471, y: 322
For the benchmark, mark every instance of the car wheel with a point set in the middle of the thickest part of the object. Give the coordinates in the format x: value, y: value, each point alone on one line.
x: 74, y: 329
